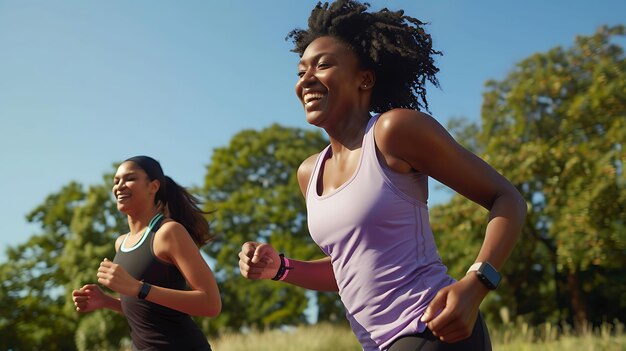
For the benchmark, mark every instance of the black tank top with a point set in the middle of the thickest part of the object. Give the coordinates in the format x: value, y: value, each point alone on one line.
x: 152, y: 326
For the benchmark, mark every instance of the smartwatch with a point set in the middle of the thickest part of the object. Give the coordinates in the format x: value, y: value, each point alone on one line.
x: 486, y: 274
x: 143, y: 292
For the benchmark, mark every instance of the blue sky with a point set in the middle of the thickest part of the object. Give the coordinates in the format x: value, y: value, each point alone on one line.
x: 84, y: 84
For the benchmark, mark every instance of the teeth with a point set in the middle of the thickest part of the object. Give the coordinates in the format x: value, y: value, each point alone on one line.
x: 312, y: 96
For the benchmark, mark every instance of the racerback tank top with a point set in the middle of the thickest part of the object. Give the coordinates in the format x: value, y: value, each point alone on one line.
x: 381, y: 247
x: 153, y: 326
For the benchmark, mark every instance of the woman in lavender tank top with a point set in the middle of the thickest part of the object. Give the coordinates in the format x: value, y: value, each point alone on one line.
x: 366, y: 193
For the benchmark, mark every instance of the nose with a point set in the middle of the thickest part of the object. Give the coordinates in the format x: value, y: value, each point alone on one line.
x: 120, y: 185
x: 305, y: 81
x: 307, y: 77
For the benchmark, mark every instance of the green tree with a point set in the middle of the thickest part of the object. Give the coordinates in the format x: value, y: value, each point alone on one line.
x: 253, y: 186
x: 556, y: 127
x: 30, y: 294
x: 94, y: 226
x: 78, y: 228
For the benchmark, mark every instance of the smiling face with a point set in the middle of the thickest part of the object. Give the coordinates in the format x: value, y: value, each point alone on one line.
x: 331, y: 83
x: 132, y: 188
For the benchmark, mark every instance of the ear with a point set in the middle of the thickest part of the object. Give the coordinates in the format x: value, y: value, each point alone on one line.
x: 155, y: 185
x: 368, y: 80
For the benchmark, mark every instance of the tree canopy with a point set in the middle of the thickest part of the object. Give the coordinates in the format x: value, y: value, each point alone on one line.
x: 252, y: 185
x: 555, y: 126
x: 78, y: 227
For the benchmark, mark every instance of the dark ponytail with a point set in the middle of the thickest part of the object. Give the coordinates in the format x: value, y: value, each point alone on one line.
x: 183, y: 208
x: 180, y: 204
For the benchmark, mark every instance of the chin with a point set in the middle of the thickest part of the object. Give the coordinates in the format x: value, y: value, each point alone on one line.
x: 314, y: 118
x: 123, y: 209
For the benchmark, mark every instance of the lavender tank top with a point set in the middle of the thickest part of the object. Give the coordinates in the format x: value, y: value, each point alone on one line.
x: 381, y: 247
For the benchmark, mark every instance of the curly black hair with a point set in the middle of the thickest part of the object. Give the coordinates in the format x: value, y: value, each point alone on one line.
x: 393, y: 45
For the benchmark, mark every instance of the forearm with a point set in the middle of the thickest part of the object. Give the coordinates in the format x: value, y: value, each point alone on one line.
x: 506, y: 219
x: 460, y: 301
x: 113, y: 303
x: 194, y: 302
x: 314, y: 275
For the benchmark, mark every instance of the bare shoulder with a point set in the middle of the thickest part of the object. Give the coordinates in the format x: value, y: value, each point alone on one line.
x: 172, y: 242
x: 306, y: 167
x: 405, y: 137
x: 304, y: 172
x: 171, y: 230
x: 118, y: 241
x: 399, y: 121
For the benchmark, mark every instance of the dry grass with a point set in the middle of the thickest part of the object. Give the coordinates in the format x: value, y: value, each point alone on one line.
x: 512, y: 337
x: 521, y: 337
x: 308, y: 338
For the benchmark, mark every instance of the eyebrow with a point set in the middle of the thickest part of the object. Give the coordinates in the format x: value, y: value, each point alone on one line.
x: 124, y: 174
x: 316, y: 57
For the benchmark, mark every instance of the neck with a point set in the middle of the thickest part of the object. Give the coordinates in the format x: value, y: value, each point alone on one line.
x: 137, y: 222
x: 348, y: 135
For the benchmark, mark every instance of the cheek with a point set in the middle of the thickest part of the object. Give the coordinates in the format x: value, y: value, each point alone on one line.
x: 298, y: 90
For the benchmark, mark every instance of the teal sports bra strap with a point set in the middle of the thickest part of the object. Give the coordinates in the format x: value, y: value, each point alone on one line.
x: 153, y: 222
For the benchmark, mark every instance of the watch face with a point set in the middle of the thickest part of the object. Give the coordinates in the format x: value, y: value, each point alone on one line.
x: 489, y: 276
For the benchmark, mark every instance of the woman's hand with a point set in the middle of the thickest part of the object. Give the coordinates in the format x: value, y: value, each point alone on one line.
x: 89, y: 298
x: 258, y: 261
x: 451, y: 315
x: 116, y: 278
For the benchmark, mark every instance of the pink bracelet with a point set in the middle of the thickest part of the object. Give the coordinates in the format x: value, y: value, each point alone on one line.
x: 287, y: 269
x: 283, y: 269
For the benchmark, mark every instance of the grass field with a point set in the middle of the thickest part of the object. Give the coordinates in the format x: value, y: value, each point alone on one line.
x: 326, y: 337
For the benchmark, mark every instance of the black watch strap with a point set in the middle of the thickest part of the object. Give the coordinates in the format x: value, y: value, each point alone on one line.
x: 145, y: 289
x: 487, y: 274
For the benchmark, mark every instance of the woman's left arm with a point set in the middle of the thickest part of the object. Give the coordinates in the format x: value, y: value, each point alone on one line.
x: 411, y: 139
x: 173, y: 243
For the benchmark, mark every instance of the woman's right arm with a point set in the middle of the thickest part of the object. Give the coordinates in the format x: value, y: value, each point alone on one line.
x: 261, y: 261
x: 90, y: 298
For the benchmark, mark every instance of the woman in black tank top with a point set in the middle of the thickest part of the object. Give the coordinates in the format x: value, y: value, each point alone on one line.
x: 158, y: 272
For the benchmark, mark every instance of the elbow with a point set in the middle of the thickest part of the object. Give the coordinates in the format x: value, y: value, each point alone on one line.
x: 521, y: 205
x: 213, y: 308
x: 515, y: 202
x: 518, y: 211
x: 512, y: 205
x: 216, y: 310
